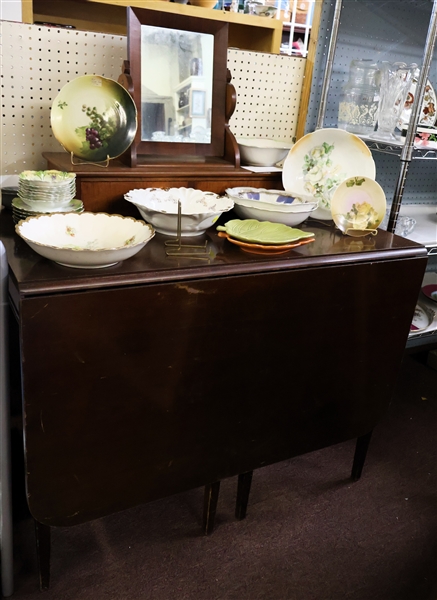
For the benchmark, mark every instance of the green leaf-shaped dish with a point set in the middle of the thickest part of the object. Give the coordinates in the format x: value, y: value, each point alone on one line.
x: 263, y: 232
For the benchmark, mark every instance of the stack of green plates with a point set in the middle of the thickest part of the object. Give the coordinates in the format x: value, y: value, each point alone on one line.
x: 20, y: 210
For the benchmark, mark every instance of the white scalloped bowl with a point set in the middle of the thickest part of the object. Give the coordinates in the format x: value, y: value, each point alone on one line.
x: 199, y: 210
x: 86, y: 240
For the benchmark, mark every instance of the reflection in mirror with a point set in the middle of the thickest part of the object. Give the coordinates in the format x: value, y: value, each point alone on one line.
x: 176, y: 85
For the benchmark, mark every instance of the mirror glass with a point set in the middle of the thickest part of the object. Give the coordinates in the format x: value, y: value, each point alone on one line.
x: 176, y: 85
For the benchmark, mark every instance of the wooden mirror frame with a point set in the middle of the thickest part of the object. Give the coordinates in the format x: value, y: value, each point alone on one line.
x: 222, y: 146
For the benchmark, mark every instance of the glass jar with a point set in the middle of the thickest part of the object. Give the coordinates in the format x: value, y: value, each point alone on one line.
x: 359, y: 99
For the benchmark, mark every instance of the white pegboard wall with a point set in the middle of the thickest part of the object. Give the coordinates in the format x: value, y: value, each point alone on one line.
x: 268, y: 90
x: 37, y: 61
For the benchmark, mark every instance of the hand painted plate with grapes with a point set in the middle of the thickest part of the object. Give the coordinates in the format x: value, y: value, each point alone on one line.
x: 94, y: 118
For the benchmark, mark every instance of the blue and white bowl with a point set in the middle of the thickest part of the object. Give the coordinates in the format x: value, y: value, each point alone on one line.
x: 277, y: 206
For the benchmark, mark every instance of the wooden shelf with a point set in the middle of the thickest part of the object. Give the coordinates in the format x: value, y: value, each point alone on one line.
x: 246, y: 32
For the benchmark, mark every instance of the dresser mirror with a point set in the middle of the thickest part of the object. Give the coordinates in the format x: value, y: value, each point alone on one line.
x: 177, y: 75
x: 176, y: 85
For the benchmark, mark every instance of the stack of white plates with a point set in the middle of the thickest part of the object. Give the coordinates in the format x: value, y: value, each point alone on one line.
x: 43, y: 191
x: 20, y: 210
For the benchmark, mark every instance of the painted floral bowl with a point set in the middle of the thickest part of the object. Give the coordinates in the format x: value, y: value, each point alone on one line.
x: 199, y: 210
x: 262, y: 152
x: 85, y: 240
x: 271, y: 205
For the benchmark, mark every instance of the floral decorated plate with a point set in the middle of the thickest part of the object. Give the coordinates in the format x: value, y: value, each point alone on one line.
x: 94, y: 118
x: 428, y: 112
x: 358, y: 205
x: 263, y: 232
x: 422, y: 319
x: 320, y: 161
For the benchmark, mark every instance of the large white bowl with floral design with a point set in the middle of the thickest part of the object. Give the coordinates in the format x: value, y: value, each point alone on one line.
x: 86, y: 240
x: 320, y: 161
x: 199, y: 210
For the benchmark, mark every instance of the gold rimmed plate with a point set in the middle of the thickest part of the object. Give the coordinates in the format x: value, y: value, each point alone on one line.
x: 358, y: 206
x: 320, y: 161
x: 94, y: 118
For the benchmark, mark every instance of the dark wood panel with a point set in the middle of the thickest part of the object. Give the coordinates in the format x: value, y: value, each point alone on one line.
x: 142, y: 392
x: 103, y: 189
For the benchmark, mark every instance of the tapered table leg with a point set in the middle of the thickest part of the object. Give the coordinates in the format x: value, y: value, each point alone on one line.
x: 243, y: 491
x: 210, y: 506
x: 361, y: 448
x: 43, y: 554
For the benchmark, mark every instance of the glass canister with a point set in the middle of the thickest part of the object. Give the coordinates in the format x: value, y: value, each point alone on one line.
x: 359, y: 99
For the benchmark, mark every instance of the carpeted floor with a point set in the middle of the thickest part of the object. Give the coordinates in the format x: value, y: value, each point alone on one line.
x: 310, y: 533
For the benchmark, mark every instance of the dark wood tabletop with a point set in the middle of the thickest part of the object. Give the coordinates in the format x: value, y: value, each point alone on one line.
x: 34, y: 274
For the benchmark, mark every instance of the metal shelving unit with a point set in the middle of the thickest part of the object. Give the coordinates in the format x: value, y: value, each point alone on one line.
x: 406, y: 151
x: 407, y: 31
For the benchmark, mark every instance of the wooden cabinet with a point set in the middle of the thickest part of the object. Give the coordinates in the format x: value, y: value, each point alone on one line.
x: 103, y: 189
x: 247, y: 32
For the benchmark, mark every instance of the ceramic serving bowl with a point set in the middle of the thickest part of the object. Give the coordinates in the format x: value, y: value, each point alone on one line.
x: 86, y: 240
x: 199, y: 210
x: 260, y: 152
x: 270, y: 205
